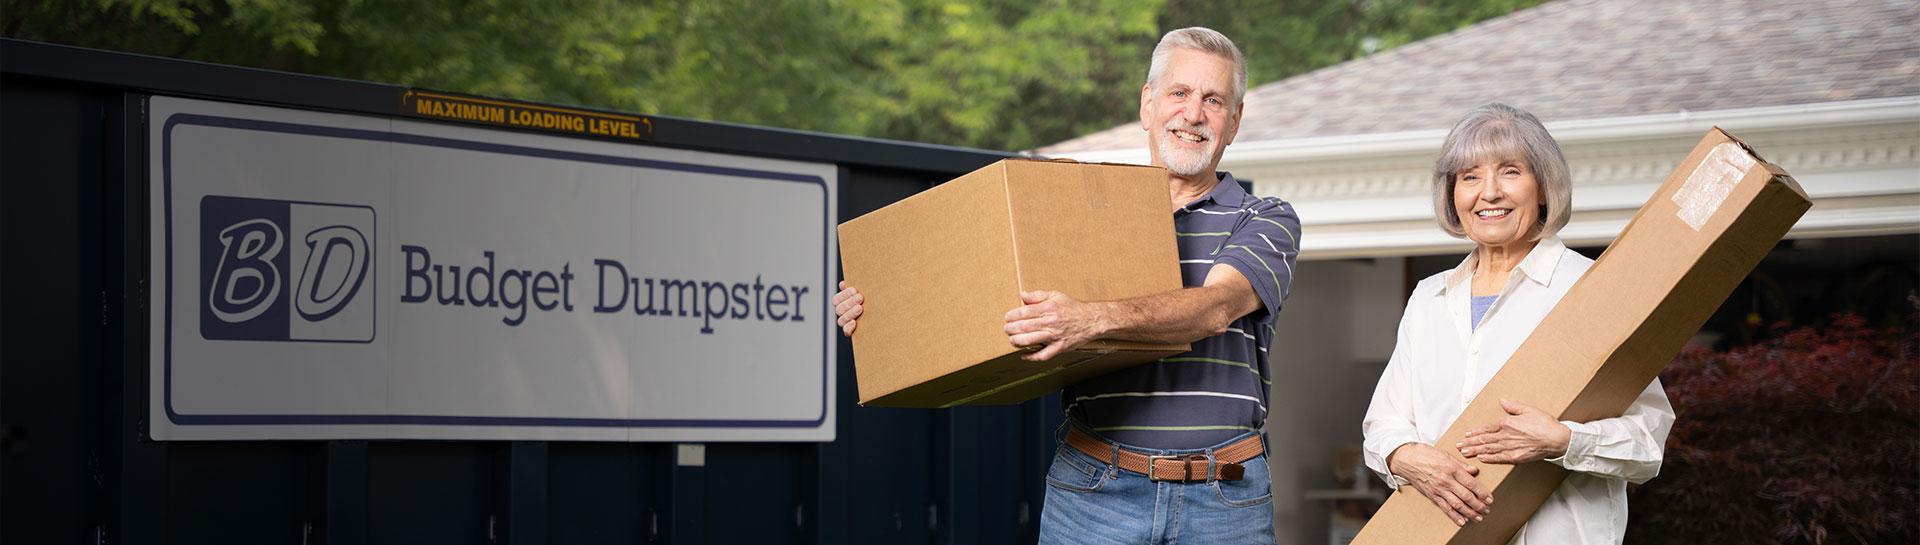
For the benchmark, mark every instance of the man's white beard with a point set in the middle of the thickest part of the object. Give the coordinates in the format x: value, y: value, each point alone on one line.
x: 1185, y: 163
x: 1181, y: 161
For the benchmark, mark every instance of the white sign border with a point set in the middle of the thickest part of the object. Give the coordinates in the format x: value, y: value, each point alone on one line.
x: 169, y: 424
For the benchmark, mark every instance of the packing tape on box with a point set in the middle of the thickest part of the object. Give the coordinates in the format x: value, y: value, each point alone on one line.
x: 1093, y: 289
x: 1711, y: 182
x: 1096, y: 188
x: 1099, y: 353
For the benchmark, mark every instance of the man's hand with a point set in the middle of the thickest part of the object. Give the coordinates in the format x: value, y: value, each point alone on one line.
x: 1057, y: 322
x: 846, y: 306
x: 1527, y: 435
x: 1446, y: 481
x: 1053, y: 320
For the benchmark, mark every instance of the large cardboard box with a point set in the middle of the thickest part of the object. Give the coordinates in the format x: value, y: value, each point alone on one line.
x: 1712, y: 221
x: 940, y: 270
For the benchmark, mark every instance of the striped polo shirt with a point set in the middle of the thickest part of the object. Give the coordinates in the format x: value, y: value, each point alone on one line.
x: 1219, y: 389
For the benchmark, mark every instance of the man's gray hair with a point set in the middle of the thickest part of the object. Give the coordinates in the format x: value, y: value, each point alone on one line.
x: 1498, y: 132
x: 1201, y: 39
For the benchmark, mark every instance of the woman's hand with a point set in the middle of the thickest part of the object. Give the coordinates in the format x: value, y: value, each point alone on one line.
x: 1527, y: 435
x: 846, y: 306
x: 1445, y: 480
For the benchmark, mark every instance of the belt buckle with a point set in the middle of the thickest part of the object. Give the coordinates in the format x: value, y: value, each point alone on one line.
x: 1184, y: 465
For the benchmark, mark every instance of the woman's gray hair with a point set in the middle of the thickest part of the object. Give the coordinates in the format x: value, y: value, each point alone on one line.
x: 1204, y: 40
x: 1498, y: 132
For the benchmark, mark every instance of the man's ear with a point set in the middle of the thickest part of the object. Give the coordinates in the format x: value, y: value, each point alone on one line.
x: 1146, y: 100
x: 1234, y: 129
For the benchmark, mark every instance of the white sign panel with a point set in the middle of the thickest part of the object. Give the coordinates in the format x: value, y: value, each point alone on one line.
x: 323, y: 276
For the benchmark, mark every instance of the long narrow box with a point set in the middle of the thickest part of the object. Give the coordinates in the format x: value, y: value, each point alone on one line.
x: 1712, y: 221
x: 940, y: 270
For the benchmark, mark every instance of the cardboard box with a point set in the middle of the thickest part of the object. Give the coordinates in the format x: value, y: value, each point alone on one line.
x: 941, y: 269
x: 1712, y: 221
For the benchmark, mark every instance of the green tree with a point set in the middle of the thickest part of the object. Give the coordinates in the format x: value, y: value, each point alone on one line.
x: 1282, y: 39
x: 1007, y: 74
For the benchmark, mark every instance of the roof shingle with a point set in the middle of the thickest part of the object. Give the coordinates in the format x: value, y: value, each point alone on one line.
x: 1583, y: 59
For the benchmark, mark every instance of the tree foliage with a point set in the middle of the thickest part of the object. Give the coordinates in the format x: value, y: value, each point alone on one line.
x: 1282, y: 39
x: 1007, y: 74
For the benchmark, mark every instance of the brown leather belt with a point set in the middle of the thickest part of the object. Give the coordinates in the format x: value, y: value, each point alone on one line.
x: 1179, y: 467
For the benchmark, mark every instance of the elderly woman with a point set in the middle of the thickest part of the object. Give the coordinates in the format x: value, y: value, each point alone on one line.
x: 1502, y: 183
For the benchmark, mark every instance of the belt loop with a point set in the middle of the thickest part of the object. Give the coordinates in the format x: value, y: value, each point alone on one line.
x: 1213, y: 467
x: 1113, y: 462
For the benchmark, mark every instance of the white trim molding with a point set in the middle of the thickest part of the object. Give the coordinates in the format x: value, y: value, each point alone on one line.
x: 1367, y: 195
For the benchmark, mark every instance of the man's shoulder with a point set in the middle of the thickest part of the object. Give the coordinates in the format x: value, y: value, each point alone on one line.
x: 1267, y: 207
x: 1257, y: 214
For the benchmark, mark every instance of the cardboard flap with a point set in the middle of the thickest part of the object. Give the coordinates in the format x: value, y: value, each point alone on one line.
x: 937, y: 274
x: 1096, y: 234
x: 941, y: 269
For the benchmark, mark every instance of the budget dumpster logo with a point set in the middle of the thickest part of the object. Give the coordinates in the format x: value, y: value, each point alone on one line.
x: 275, y: 270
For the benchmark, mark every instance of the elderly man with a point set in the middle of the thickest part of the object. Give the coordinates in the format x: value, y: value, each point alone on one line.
x: 1171, y: 451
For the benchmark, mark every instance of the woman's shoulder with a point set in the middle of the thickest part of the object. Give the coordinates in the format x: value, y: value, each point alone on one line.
x: 1432, y: 285
x: 1572, y: 263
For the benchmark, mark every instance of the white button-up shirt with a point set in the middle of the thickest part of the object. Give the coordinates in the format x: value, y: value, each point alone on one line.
x: 1440, y: 362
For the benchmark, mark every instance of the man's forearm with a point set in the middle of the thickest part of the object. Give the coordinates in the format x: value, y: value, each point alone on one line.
x: 1060, y: 323
x: 1186, y: 315
x: 1180, y: 316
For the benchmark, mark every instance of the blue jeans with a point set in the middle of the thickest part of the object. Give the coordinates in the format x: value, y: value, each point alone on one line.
x: 1093, y: 502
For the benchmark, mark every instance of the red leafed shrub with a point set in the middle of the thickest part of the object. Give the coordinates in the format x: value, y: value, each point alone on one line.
x: 1812, y: 436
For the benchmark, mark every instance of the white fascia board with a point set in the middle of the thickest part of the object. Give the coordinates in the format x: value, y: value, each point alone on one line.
x: 1879, y: 199
x: 1425, y: 238
x: 1393, y: 208
x: 1131, y: 156
x: 1822, y: 114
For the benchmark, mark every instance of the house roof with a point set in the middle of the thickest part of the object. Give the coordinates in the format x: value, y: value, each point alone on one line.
x: 1583, y: 59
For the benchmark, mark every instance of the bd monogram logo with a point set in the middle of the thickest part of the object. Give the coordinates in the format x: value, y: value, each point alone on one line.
x: 286, y: 271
